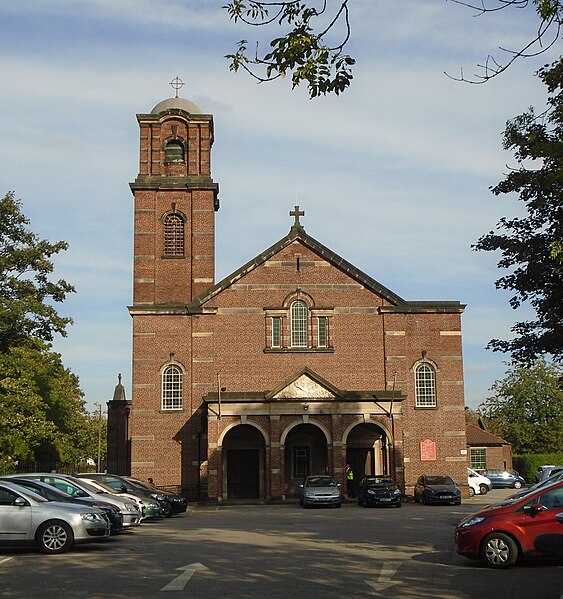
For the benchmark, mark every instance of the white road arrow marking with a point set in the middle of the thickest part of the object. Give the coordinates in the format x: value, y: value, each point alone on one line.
x: 182, y: 580
x: 385, y: 576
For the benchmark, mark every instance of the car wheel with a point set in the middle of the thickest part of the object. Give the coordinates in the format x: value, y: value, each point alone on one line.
x: 484, y: 489
x: 471, y: 491
x: 399, y: 504
x: 54, y: 537
x: 416, y: 498
x: 168, y: 511
x: 499, y: 550
x: 517, y: 484
x: 338, y: 505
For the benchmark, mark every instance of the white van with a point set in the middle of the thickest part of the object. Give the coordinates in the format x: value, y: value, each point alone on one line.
x: 478, y: 484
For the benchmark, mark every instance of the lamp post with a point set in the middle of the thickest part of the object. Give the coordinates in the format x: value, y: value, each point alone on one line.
x: 99, y: 436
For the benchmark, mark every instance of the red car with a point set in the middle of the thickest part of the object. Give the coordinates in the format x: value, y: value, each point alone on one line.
x: 503, y: 532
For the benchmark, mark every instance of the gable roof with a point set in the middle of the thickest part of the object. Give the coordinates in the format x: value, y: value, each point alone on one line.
x: 297, y: 233
x: 477, y: 436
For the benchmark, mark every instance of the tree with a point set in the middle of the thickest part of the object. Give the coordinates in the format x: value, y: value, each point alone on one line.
x: 531, y: 245
x: 304, y: 52
x: 25, y: 288
x: 527, y: 408
x: 42, y: 413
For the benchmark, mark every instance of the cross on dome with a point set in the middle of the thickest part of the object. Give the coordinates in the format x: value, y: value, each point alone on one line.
x: 177, y: 84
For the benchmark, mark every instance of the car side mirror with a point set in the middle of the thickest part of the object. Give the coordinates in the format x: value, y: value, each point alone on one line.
x: 559, y: 517
x: 300, y: 486
x: 20, y: 502
x: 338, y: 485
x: 534, y: 510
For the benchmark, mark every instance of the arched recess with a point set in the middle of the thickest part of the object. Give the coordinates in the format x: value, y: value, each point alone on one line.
x: 369, y: 448
x: 306, y: 451
x: 243, y: 461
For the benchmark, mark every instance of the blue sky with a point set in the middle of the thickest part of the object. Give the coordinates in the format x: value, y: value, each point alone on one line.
x: 393, y: 175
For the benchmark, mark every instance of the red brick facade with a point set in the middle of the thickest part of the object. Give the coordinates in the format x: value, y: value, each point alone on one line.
x: 297, y: 362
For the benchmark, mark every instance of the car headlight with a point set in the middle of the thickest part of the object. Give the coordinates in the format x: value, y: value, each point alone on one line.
x: 90, y: 517
x: 158, y: 497
x: 131, y: 507
x: 396, y: 492
x: 471, y: 521
x: 335, y: 493
x: 371, y: 492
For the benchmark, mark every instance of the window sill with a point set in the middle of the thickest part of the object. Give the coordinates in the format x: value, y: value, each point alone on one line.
x: 299, y: 350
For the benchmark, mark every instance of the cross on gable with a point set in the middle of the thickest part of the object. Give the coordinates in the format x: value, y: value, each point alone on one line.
x: 297, y: 213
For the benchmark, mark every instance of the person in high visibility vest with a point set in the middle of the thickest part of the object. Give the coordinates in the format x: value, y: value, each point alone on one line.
x: 350, y: 481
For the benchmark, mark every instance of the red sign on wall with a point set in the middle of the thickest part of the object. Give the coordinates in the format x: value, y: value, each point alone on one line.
x: 428, y: 450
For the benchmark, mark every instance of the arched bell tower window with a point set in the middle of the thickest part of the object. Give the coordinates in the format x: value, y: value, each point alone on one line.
x: 173, y: 235
x: 174, y: 151
x: 299, y: 324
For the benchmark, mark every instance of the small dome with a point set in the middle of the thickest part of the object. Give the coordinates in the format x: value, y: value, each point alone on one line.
x: 178, y: 103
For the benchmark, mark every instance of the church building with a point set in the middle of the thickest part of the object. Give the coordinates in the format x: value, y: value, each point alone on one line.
x: 296, y: 363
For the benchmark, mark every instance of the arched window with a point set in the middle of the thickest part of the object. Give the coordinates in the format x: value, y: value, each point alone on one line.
x: 173, y: 235
x: 172, y: 388
x: 299, y: 324
x: 174, y: 151
x: 425, y: 382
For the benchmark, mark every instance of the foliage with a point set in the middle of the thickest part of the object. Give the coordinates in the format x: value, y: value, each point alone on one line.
x: 303, y: 52
x: 25, y: 288
x: 527, y: 408
x: 42, y: 413
x: 530, y: 245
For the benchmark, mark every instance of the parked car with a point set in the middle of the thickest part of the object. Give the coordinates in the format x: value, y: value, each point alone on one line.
x: 437, y: 488
x: 28, y: 518
x: 52, y: 494
x: 169, y: 502
x: 80, y: 488
x: 539, y: 472
x: 478, y: 484
x: 378, y: 490
x: 550, y: 471
x: 503, y: 479
x: 148, y: 507
x: 555, y: 478
x: 320, y: 489
x: 177, y: 503
x: 502, y: 533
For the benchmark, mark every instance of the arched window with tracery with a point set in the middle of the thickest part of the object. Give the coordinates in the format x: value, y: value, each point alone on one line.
x: 425, y: 383
x: 299, y: 324
x: 173, y: 235
x: 172, y: 388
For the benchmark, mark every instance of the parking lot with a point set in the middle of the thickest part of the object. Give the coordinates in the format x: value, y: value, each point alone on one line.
x: 280, y: 551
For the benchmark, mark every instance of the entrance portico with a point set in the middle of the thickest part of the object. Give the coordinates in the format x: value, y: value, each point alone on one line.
x: 261, y: 445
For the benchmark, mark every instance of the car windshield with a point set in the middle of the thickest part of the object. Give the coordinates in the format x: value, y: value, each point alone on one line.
x: 89, y: 487
x: 439, y: 480
x: 378, y: 480
x: 320, y: 481
x: 98, y: 483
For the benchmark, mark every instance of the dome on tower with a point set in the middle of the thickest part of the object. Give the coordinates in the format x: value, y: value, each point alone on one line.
x: 176, y: 103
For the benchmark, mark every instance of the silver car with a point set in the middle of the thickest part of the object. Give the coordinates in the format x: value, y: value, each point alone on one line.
x: 28, y: 518
x: 320, y: 489
x: 81, y: 488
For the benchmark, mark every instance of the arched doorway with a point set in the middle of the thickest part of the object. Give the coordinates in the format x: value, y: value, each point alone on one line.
x: 243, y: 463
x: 367, y: 451
x: 306, y: 452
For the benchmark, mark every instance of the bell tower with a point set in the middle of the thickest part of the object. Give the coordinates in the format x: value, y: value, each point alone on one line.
x: 175, y: 204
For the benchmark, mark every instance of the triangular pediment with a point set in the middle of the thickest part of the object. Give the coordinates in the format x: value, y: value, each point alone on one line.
x: 304, y: 385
